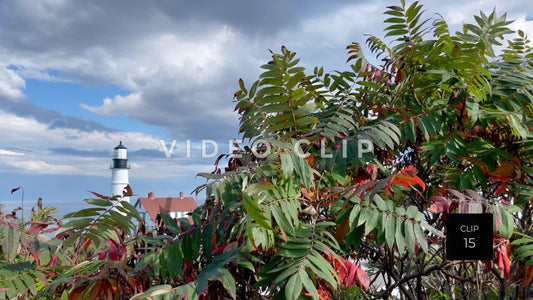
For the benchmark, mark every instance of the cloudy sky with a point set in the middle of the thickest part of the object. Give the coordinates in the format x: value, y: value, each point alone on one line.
x: 77, y: 77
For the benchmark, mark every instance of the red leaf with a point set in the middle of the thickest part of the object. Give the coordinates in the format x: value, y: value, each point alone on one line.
x: 341, y: 270
x: 308, y: 195
x: 377, y: 75
x: 113, y: 254
x: 419, y: 181
x: 53, y: 262
x: 49, y: 230
x: 399, y: 76
x: 99, y: 195
x: 410, y: 171
x: 361, y: 179
x: 123, y: 251
x: 388, y: 188
x: 363, y: 278
x: 325, y: 295
x: 310, y: 160
x: 112, y: 243
x: 488, y: 266
x: 529, y: 276
x: 230, y: 246
x: 341, y: 135
x: 35, y: 256
x: 219, y: 158
x: 127, y: 191
x: 499, y: 178
x: 352, y: 270
x: 499, y: 259
x: 97, y: 278
x: 407, y: 177
x: 440, y: 204
x: 87, y: 243
x: 506, y: 264
x: 355, y: 272
x: 342, y: 230
x: 15, y: 189
x: 501, y: 188
x: 219, y: 249
x: 372, y: 170
x: 453, y: 205
x: 506, y: 169
x: 283, y: 233
x: 37, y: 227
x: 503, y: 260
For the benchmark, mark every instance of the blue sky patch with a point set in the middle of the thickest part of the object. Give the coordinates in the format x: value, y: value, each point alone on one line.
x: 66, y: 97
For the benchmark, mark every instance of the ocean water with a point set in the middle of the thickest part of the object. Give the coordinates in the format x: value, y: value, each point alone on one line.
x: 63, y: 207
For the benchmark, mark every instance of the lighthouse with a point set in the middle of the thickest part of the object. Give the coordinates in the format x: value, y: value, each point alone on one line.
x: 119, y: 171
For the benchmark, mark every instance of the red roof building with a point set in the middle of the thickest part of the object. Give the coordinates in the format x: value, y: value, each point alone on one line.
x: 176, y: 207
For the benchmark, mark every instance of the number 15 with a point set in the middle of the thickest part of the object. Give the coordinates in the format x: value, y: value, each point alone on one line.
x: 470, y: 242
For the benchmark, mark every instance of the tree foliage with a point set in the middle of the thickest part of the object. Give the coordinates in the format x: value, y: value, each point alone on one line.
x: 310, y: 211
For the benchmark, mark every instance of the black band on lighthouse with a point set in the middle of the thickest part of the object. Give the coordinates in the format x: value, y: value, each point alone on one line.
x: 119, y: 163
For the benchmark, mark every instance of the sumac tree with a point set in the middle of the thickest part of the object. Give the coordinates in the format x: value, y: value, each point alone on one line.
x: 450, y: 121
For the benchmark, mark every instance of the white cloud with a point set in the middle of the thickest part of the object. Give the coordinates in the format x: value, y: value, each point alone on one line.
x: 341, y: 26
x: 38, y: 74
x: 11, y: 84
x: 522, y: 24
x: 10, y: 153
x: 37, y: 139
x: 39, y: 167
x: 457, y: 13
x: 38, y: 156
x: 167, y: 169
x: 26, y: 132
x: 181, y: 82
x: 118, y: 105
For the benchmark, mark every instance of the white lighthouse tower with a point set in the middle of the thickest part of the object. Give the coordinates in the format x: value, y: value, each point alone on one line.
x: 119, y: 171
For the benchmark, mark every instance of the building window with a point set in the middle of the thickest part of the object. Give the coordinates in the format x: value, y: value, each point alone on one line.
x: 178, y: 214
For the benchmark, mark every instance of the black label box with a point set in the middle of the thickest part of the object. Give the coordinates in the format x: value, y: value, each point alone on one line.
x: 469, y: 237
